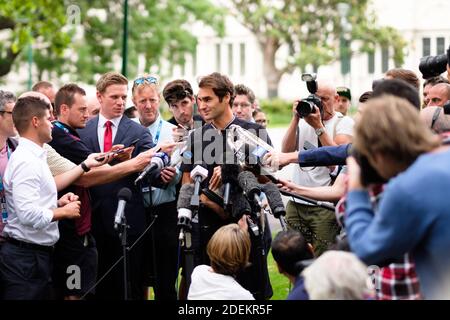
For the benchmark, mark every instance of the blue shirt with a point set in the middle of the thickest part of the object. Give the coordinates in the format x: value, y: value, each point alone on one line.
x: 324, y: 156
x: 413, y: 216
x: 298, y: 292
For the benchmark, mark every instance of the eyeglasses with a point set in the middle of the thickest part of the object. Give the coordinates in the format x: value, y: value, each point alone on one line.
x: 142, y: 80
x: 4, y: 111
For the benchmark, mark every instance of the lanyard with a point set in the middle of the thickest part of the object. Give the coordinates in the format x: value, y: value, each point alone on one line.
x: 158, y: 132
x: 4, y: 213
x: 63, y: 128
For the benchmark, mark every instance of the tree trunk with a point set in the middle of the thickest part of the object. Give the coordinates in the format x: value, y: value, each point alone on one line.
x: 6, y: 64
x: 271, y: 73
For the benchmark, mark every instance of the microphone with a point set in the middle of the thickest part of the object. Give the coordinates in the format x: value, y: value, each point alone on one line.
x: 247, y: 181
x: 229, y: 179
x: 184, y: 208
x: 240, y: 206
x: 198, y: 174
x: 274, y: 197
x: 124, y: 196
x: 159, y: 161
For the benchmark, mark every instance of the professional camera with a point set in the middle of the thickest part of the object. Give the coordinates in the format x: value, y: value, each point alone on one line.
x: 306, y: 106
x: 432, y: 66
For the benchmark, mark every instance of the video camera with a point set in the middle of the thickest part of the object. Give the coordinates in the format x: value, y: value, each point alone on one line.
x: 306, y: 106
x: 432, y: 66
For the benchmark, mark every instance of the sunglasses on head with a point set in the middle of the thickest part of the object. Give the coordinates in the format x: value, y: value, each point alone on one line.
x: 142, y: 80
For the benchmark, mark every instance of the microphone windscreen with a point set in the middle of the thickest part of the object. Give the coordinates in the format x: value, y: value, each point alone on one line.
x: 185, y: 195
x: 247, y: 181
x: 240, y: 205
x: 124, y: 194
x: 230, y: 173
x: 275, y: 201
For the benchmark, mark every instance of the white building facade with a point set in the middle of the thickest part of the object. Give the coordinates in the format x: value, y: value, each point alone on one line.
x: 424, y: 26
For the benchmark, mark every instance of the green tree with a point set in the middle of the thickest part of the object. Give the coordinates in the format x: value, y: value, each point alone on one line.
x: 311, y: 30
x: 31, y: 21
x: 158, y: 31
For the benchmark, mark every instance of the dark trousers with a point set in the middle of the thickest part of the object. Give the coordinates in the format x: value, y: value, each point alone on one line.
x: 162, y: 240
x: 24, y: 273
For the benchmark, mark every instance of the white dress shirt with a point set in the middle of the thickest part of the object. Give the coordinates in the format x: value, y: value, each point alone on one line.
x: 101, y: 129
x: 31, y: 196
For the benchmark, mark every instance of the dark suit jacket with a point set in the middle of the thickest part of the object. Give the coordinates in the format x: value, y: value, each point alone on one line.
x: 104, y: 197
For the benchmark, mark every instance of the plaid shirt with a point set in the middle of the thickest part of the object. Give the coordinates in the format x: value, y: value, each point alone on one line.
x: 398, y: 280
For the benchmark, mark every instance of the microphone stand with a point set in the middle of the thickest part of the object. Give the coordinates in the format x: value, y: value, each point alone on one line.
x: 123, y: 234
x: 188, y: 249
x: 260, y: 251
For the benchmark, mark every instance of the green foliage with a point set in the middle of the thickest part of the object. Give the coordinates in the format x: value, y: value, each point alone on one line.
x: 31, y: 21
x: 278, y: 111
x: 158, y: 31
x: 311, y: 30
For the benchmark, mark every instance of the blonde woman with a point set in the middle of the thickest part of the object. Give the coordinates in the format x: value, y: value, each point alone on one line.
x: 228, y: 250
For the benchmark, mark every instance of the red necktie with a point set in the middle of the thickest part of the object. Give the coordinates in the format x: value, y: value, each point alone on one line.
x: 107, y: 141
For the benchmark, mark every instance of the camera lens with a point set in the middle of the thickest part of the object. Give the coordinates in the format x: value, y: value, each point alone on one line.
x: 432, y: 66
x: 304, y: 108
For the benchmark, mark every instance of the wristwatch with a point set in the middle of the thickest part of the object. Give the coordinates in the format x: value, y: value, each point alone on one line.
x: 84, y: 167
x: 320, y: 131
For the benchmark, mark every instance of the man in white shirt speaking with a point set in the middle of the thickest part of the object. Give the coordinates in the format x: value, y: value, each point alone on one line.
x: 32, y: 206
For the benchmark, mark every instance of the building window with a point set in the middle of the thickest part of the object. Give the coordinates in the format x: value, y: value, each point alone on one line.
x: 371, y: 62
x: 242, y: 58
x: 384, y: 60
x: 218, y: 58
x: 440, y: 45
x: 230, y: 59
x: 426, y: 47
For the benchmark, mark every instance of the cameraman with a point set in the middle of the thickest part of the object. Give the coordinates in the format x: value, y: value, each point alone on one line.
x: 320, y: 128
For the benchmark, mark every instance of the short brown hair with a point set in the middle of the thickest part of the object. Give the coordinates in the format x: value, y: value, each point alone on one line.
x: 220, y: 84
x: 229, y: 249
x: 25, y: 109
x: 391, y: 126
x: 41, y: 85
x: 241, y: 89
x: 109, y: 79
x: 65, y: 95
x: 405, y: 75
x: 177, y: 90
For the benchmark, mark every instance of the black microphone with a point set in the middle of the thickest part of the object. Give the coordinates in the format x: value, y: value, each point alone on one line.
x: 184, y: 208
x: 247, y: 181
x: 240, y: 206
x: 159, y: 161
x: 229, y: 179
x: 124, y: 196
x: 275, y: 201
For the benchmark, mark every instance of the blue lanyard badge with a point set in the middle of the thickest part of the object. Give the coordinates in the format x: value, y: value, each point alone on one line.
x: 158, y: 132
